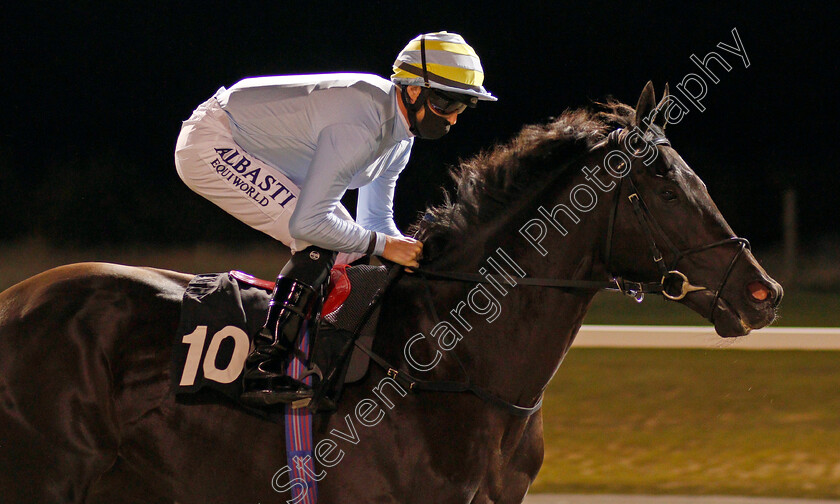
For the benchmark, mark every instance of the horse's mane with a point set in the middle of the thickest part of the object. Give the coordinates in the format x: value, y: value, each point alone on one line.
x: 487, y: 183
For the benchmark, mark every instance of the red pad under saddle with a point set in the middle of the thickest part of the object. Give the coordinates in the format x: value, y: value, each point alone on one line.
x: 338, y: 290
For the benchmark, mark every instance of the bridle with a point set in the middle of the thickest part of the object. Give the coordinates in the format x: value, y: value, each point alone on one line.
x: 674, y: 284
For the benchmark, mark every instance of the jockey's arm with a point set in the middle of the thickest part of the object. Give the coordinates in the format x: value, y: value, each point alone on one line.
x: 375, y: 211
x: 375, y: 207
x: 340, y: 152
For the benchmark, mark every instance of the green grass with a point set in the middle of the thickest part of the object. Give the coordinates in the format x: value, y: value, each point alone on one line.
x: 764, y: 423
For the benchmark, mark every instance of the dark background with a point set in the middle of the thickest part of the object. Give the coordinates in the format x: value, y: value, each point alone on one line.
x: 94, y: 92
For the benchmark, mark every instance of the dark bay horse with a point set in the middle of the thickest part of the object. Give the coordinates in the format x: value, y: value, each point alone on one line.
x: 86, y: 411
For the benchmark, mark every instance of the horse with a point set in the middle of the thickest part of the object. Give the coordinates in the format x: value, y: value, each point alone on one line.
x: 594, y: 198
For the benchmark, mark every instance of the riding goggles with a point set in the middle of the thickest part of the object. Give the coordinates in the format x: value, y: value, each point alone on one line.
x: 445, y: 103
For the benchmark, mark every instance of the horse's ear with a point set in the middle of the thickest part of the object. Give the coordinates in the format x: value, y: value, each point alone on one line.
x: 647, y: 101
x: 661, y: 118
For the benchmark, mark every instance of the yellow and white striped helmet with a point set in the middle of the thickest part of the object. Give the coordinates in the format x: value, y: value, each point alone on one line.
x: 442, y: 61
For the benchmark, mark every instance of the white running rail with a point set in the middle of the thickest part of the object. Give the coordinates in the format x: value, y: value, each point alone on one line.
x: 771, y: 338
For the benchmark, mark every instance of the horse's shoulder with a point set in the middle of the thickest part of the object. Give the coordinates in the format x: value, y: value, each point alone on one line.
x: 79, y: 278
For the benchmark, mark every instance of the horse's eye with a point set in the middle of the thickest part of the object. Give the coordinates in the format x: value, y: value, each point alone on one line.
x: 668, y: 195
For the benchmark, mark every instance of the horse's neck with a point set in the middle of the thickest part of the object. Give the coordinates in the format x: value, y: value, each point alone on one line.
x: 519, y: 334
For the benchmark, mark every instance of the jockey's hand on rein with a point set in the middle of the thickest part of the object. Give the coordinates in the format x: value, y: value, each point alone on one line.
x: 403, y: 250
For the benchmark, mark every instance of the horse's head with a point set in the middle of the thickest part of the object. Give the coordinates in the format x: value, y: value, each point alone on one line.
x: 663, y: 209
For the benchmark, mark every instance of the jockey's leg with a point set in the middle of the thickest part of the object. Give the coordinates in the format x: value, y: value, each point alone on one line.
x: 295, y: 298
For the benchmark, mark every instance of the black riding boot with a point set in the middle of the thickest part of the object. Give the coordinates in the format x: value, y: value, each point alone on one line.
x: 295, y: 297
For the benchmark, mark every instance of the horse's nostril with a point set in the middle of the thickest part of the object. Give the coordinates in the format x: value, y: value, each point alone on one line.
x: 759, y: 291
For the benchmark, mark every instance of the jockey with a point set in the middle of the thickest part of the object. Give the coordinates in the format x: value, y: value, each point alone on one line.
x: 278, y: 153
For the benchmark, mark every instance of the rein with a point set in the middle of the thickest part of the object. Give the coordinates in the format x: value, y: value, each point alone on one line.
x: 617, y: 283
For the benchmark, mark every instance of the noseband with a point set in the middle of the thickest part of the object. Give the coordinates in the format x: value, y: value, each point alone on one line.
x: 674, y: 284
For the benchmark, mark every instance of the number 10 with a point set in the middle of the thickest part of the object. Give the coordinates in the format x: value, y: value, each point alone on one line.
x: 196, y: 342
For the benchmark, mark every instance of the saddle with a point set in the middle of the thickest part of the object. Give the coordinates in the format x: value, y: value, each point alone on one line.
x: 221, y: 312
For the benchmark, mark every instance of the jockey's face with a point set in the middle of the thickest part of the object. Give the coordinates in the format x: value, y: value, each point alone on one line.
x: 431, y: 124
x: 451, y: 117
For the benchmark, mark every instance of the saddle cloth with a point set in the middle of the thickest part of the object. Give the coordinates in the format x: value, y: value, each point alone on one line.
x: 221, y: 312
